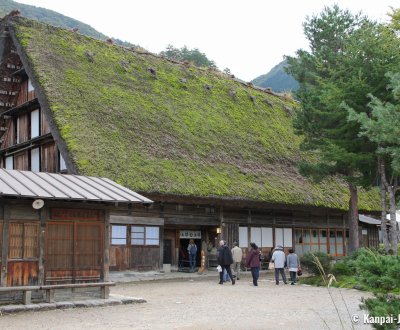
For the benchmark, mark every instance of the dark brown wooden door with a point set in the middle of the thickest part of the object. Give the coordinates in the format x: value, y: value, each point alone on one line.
x: 23, y: 254
x: 74, y: 251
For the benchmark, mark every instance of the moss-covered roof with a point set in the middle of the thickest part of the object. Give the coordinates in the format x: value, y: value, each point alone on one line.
x: 158, y: 126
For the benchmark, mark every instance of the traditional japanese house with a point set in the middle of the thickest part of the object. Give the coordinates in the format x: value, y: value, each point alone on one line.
x: 218, y: 156
x: 55, y: 231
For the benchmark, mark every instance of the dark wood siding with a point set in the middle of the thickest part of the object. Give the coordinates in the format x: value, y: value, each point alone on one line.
x: 145, y: 257
x: 9, y: 136
x: 74, y: 246
x: 23, y: 134
x: 21, y: 161
x: 44, y: 125
x: 23, y: 93
x: 49, y: 157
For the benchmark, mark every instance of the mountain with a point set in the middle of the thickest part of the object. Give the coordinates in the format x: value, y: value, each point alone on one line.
x: 53, y: 18
x: 277, y: 79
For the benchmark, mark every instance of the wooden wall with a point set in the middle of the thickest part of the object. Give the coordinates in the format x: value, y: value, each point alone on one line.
x: 72, y: 244
x: 49, y: 157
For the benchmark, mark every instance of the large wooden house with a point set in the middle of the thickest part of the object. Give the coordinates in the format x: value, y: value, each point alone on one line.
x: 218, y: 156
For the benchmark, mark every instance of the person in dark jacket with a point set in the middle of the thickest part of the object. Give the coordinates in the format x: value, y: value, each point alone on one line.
x: 225, y: 260
x: 253, y: 262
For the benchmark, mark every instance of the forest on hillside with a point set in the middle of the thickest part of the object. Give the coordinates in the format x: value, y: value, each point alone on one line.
x: 54, y: 18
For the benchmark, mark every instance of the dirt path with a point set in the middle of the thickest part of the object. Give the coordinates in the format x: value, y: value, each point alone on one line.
x: 203, y: 304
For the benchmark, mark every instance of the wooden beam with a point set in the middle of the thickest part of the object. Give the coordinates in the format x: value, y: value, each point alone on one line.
x: 128, y: 219
x: 4, y: 253
x: 43, y: 216
x: 106, y: 257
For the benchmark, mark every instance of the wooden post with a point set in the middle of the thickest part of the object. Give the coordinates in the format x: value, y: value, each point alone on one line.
x: 4, y: 254
x: 49, y: 295
x: 43, y: 215
x: 27, y: 297
x: 106, y: 258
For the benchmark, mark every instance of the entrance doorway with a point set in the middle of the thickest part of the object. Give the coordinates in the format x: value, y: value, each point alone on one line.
x: 167, y: 252
x: 183, y: 264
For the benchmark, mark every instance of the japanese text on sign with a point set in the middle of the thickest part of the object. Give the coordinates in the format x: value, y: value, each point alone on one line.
x: 190, y: 234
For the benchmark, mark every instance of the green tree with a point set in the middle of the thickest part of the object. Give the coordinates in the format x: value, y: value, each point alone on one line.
x: 346, y: 62
x: 193, y: 56
x: 382, y: 126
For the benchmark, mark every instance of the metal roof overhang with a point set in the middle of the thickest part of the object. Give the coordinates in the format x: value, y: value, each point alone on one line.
x: 43, y: 185
x: 369, y: 220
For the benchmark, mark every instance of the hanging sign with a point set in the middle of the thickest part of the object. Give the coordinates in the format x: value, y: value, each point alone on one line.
x: 190, y: 234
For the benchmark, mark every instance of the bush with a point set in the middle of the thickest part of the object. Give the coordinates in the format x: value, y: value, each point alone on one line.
x: 379, y: 272
x: 342, y: 268
x: 308, y: 263
x: 382, y: 306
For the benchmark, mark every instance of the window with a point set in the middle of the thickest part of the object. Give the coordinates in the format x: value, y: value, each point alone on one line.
x: 141, y: 235
x: 243, y: 239
x: 30, y: 86
x: 262, y: 236
x: 23, y: 242
x: 35, y: 126
x: 35, y: 160
x: 137, y: 235
x: 283, y: 236
x: 266, y: 237
x: 152, y: 236
x: 9, y: 163
x: 319, y: 240
x: 118, y: 235
x: 255, y: 235
x: 63, y: 166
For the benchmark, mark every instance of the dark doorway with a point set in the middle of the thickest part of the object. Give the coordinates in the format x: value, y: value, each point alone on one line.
x: 167, y: 253
x: 183, y: 264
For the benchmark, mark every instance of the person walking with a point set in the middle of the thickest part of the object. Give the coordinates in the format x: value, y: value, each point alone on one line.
x: 253, y: 262
x: 237, y: 255
x: 293, y: 263
x: 278, y: 257
x: 225, y: 260
x: 192, y: 250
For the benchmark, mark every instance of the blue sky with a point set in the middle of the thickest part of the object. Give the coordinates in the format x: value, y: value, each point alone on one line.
x: 249, y: 37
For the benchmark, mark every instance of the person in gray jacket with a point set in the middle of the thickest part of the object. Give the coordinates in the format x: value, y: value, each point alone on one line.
x: 237, y: 255
x: 293, y: 263
x: 279, y: 258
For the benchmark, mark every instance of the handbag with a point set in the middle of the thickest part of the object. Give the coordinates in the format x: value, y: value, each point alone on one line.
x: 219, y: 268
x: 299, y: 272
x: 271, y: 265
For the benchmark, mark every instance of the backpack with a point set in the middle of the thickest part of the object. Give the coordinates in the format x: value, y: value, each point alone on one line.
x: 193, y: 249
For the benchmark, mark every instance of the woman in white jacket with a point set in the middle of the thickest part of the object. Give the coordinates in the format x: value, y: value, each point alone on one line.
x: 279, y: 258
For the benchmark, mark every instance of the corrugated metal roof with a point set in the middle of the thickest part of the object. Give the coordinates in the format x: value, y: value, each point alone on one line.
x: 369, y: 220
x: 64, y: 186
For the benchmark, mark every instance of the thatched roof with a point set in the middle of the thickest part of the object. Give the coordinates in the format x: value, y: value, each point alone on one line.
x: 168, y: 128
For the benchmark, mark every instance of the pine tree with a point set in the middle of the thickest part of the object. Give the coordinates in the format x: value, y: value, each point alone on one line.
x: 346, y: 62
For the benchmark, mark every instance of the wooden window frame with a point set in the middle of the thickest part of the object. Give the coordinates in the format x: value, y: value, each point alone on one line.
x: 5, y: 162
x: 331, y: 247
x: 145, y: 237
x: 31, y: 160
x: 119, y: 237
x: 23, y: 241
x: 37, y: 125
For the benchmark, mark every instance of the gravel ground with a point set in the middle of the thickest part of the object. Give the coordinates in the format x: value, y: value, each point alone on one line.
x: 204, y: 304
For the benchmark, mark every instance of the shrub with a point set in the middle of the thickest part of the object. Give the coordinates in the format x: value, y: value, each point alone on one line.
x: 308, y: 263
x: 379, y: 272
x: 382, y: 306
x: 342, y: 268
